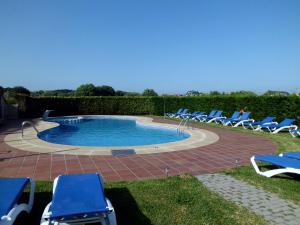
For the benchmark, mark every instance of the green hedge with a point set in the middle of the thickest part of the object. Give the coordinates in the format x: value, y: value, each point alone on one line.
x: 260, y: 106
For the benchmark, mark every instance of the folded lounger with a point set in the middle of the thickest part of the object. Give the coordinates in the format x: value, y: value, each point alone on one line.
x: 286, y: 165
x: 225, y: 120
x: 257, y: 124
x: 173, y: 114
x: 11, y: 190
x: 294, y: 155
x: 202, y: 117
x: 276, y: 127
x: 295, y: 132
x: 236, y: 122
x: 183, y: 113
x: 192, y: 115
x: 213, y: 118
x: 78, y: 199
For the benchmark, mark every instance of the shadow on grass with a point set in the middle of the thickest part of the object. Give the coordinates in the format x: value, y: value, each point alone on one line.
x: 286, y: 176
x: 41, y: 199
x: 127, y: 210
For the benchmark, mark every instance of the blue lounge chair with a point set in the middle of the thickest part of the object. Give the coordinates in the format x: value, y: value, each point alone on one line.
x: 11, y: 190
x: 295, y: 132
x: 236, y: 122
x: 174, y: 114
x: 79, y: 199
x: 213, y: 118
x: 293, y: 155
x: 225, y: 120
x: 192, y: 115
x: 286, y: 165
x: 257, y: 124
x: 183, y: 113
x: 276, y: 127
x: 202, y: 117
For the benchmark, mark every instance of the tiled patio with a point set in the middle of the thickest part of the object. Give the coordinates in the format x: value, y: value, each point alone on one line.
x: 232, y: 149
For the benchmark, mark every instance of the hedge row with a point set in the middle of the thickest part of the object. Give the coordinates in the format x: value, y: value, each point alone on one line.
x: 260, y: 106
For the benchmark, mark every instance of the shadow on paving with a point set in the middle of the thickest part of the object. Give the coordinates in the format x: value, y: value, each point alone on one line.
x: 127, y: 210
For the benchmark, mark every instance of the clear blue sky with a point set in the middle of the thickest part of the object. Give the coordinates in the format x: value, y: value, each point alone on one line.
x: 168, y: 45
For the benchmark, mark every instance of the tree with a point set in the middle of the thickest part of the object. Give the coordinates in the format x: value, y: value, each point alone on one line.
x: 149, y: 92
x: 120, y: 93
x: 19, y: 90
x: 1, y: 90
x: 243, y: 93
x: 86, y: 90
x: 215, y: 93
x: 105, y: 91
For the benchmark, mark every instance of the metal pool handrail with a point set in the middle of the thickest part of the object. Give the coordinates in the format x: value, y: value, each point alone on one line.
x: 31, y: 124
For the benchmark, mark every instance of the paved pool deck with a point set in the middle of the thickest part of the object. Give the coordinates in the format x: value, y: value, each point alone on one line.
x: 231, y: 149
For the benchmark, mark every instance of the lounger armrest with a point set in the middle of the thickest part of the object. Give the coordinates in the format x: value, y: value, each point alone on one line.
x: 294, y: 127
x: 271, y: 123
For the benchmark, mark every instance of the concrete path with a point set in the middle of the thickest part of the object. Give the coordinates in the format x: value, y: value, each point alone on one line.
x: 272, y: 208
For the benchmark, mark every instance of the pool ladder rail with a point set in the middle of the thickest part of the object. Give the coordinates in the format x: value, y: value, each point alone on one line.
x: 183, y: 123
x: 31, y: 124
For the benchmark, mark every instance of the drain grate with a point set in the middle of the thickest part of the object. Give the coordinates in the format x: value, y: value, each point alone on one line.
x: 123, y: 152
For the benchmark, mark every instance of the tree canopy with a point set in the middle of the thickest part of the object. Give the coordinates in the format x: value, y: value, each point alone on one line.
x: 149, y: 92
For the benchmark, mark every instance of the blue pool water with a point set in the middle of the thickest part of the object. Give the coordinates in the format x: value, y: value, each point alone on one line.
x: 108, y: 132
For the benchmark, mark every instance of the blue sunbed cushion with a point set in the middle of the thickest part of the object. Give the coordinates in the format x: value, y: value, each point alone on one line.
x: 295, y: 155
x: 279, y: 161
x: 78, y: 194
x: 11, y: 190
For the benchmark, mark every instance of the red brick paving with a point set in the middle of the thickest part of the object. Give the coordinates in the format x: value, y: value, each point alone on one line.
x: 218, y: 156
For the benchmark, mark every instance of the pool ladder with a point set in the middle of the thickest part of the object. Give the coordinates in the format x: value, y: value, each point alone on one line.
x: 183, y: 123
x: 31, y: 124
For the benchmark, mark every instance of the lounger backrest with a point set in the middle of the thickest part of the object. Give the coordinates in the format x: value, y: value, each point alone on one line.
x: 212, y: 113
x: 11, y: 190
x: 184, y: 111
x: 267, y: 119
x: 245, y: 115
x: 235, y: 115
x: 286, y: 122
x: 179, y: 111
x: 195, y: 113
x: 199, y: 114
x: 218, y: 113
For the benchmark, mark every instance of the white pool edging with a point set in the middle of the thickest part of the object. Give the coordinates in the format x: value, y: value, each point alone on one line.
x: 30, y: 141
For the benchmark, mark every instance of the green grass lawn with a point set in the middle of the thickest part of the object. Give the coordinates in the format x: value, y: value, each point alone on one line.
x: 287, y: 187
x: 173, y: 200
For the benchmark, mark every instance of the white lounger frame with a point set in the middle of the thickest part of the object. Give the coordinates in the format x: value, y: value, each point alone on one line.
x: 238, y: 123
x: 109, y: 219
x: 10, y: 218
x: 215, y: 119
x: 294, y: 131
x: 271, y: 173
x: 275, y: 131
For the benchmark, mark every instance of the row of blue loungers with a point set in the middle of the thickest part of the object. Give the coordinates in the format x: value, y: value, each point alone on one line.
x: 288, y: 162
x: 77, y: 199
x: 238, y: 119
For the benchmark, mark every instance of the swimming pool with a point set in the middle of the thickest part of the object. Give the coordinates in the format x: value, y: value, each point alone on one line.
x: 108, y: 131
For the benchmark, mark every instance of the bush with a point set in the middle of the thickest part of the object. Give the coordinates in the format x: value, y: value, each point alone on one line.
x: 260, y: 106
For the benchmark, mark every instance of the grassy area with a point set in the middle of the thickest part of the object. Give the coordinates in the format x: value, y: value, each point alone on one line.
x: 284, y: 186
x: 174, y: 200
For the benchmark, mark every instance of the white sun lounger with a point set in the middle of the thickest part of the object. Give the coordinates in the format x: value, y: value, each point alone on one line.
x: 11, y: 190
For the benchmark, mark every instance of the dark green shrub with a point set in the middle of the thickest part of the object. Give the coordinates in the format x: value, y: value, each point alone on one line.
x: 260, y: 106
